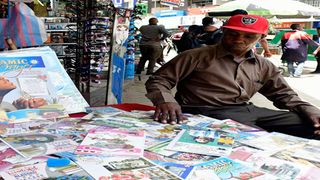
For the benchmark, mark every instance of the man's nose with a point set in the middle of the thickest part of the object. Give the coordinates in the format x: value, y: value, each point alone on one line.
x: 239, y: 38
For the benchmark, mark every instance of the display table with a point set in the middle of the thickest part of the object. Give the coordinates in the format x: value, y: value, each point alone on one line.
x: 122, y: 141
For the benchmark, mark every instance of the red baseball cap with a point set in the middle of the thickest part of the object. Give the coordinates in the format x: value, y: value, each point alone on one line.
x: 248, y: 23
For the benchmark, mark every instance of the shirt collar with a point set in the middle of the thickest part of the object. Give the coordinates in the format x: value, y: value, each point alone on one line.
x: 222, y: 52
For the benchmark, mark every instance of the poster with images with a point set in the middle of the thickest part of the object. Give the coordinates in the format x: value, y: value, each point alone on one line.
x: 274, y: 141
x: 108, y: 141
x: 36, y: 74
x: 134, y: 169
x: 207, y: 142
x: 183, y: 171
x: 9, y: 157
x: 117, y: 69
x: 225, y: 168
x: 39, y: 143
x: 40, y: 170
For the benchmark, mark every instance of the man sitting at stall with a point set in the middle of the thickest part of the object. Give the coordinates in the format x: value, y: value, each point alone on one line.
x: 218, y: 81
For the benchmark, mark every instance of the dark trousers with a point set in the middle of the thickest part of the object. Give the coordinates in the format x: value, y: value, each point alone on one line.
x: 318, y: 63
x: 270, y: 120
x: 151, y: 53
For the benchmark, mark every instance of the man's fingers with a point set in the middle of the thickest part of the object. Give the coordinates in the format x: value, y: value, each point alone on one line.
x: 317, y: 132
x: 180, y: 117
x: 172, y: 116
x: 164, y: 117
x: 157, y: 114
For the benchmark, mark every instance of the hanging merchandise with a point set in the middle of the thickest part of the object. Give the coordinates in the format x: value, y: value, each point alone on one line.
x: 96, y: 50
x: 132, y: 43
x: 97, y: 44
x: 23, y: 27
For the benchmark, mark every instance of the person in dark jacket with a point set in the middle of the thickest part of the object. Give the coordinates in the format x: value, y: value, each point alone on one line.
x: 190, y: 39
x: 212, y: 34
x: 150, y: 45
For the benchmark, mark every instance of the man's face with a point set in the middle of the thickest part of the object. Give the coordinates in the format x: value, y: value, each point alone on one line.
x: 239, y: 42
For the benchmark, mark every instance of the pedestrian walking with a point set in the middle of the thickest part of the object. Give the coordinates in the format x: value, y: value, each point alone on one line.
x: 150, y: 45
x: 295, y: 49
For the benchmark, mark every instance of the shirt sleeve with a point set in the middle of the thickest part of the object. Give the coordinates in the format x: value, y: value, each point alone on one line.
x: 164, y: 32
x: 283, y: 96
x: 159, y: 85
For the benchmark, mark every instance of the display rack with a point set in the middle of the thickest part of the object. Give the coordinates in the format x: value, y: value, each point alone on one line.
x: 97, y: 38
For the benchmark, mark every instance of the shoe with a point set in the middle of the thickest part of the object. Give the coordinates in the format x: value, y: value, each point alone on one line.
x: 297, y: 76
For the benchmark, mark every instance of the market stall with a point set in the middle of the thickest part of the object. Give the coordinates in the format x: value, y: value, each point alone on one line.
x: 125, y: 143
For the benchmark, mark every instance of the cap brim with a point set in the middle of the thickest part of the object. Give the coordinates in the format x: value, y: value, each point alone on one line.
x: 244, y: 29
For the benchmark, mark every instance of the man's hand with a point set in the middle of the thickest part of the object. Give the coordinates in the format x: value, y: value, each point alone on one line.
x: 267, y: 54
x: 22, y: 103
x: 169, y: 112
x: 316, y: 123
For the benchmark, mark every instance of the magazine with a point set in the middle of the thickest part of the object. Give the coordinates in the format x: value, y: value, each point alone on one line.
x: 40, y: 171
x: 104, y: 111
x: 23, y: 127
x: 287, y: 155
x: 39, y: 143
x: 242, y: 153
x: 108, y: 141
x: 9, y: 157
x: 311, y: 151
x: 72, y: 124
x: 274, y: 141
x: 207, y: 142
x: 277, y: 167
x: 25, y: 115
x: 181, y: 170
x: 38, y: 73
x: 113, y: 122
x: 189, y: 158
x: 161, y: 149
x: 226, y: 168
x: 134, y: 169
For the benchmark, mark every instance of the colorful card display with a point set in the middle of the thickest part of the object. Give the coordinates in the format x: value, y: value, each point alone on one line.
x: 225, y: 168
x: 39, y: 143
x: 209, y: 142
x: 108, y: 141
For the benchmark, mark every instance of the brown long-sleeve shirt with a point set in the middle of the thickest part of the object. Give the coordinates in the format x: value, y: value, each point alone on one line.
x: 210, y: 76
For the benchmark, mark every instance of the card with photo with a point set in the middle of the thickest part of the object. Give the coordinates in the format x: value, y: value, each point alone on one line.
x: 207, y: 142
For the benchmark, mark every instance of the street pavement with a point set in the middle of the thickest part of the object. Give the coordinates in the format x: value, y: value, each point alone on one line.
x: 306, y: 86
